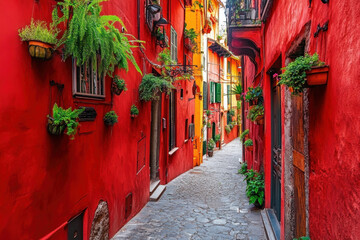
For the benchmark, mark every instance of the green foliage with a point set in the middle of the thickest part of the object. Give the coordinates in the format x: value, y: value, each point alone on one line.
x: 244, y: 133
x: 191, y: 34
x: 253, y: 94
x: 236, y: 89
x: 227, y: 129
x: 249, y: 175
x: 160, y: 35
x: 208, y: 113
x: 164, y: 57
x: 134, y: 110
x: 197, y: 3
x: 256, y: 111
x: 238, y: 105
x: 151, y: 86
x: 208, y: 125
x: 89, y: 34
x: 248, y: 143
x: 255, y: 189
x: 217, y: 138
x: 231, y: 112
x: 39, y: 31
x: 66, y: 118
x: 295, y: 72
x: 211, y: 144
x: 110, y: 118
x: 231, y: 125
x: 120, y: 83
x: 302, y: 238
x: 243, y: 169
x: 219, y: 37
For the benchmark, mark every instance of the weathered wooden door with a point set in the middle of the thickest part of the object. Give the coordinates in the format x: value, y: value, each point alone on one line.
x: 276, y: 149
x: 297, y: 127
x: 155, y: 138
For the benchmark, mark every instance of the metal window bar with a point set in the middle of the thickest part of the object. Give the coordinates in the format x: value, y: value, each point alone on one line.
x: 243, y: 12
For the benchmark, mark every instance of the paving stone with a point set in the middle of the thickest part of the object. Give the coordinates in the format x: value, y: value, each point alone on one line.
x: 208, y: 202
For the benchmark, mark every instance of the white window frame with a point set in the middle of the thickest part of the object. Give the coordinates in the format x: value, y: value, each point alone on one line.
x: 93, y: 89
x: 174, y: 45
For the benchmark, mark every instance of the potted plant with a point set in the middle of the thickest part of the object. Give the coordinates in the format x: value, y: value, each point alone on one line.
x: 210, y: 147
x: 110, y: 118
x: 63, y: 118
x: 217, y: 140
x: 243, y: 169
x: 161, y: 37
x: 227, y: 129
x: 151, y: 86
x: 89, y: 35
x: 249, y: 144
x: 207, y: 26
x: 255, y: 190
x: 134, y: 111
x: 254, y: 95
x: 41, y: 39
x: 256, y: 114
x: 231, y: 112
x: 208, y: 125
x: 208, y: 113
x: 118, y: 85
x: 304, y: 71
x: 244, y: 135
x: 237, y: 90
x: 190, y: 38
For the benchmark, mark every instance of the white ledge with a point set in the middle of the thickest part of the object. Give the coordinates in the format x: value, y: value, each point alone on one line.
x: 173, y: 150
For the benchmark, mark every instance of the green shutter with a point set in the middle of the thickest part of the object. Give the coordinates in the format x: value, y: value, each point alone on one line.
x: 218, y: 92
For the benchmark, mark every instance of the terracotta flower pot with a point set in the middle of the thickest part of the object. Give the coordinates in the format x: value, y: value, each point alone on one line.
x: 260, y: 119
x: 317, y: 76
x: 38, y: 49
x: 55, y: 129
x: 188, y: 44
x: 115, y: 89
x: 210, y: 153
x: 238, y: 97
x: 134, y: 115
x: 249, y: 148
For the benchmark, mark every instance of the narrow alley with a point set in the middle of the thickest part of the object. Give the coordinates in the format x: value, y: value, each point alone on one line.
x: 207, y: 202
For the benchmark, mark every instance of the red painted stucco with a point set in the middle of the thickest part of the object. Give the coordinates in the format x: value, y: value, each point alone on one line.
x: 334, y: 123
x: 47, y: 180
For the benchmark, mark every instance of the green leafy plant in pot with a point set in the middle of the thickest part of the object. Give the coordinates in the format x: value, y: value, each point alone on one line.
x: 217, y: 139
x: 237, y: 91
x: 134, y: 111
x: 243, y: 168
x: 249, y: 144
x: 110, y: 118
x: 244, y: 134
x: 151, y: 86
x: 118, y: 85
x: 255, y: 190
x: 41, y: 39
x: 210, y: 147
x: 228, y: 129
x: 254, y: 95
x: 295, y: 73
x: 64, y: 118
x: 256, y: 114
x: 190, y: 39
x: 93, y: 38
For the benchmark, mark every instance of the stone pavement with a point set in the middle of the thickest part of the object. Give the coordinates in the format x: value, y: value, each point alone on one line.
x: 207, y: 202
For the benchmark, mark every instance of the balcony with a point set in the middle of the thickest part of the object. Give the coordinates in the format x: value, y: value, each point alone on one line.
x: 243, y: 13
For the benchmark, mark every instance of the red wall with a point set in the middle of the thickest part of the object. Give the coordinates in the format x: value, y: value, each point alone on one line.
x: 334, y: 123
x: 47, y: 180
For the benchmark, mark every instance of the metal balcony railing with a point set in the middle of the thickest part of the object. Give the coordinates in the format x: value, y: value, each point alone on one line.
x: 243, y: 12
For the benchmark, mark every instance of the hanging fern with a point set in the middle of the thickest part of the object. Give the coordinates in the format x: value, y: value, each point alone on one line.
x: 89, y: 35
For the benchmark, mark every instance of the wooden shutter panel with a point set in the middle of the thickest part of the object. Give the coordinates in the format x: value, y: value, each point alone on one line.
x: 218, y: 92
x: 212, y: 93
x: 205, y: 97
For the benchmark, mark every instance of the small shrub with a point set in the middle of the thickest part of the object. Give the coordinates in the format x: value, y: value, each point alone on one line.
x: 151, y: 85
x: 256, y: 111
x: 211, y: 144
x: 217, y: 138
x: 255, y: 189
x: 134, y: 110
x: 243, y: 168
x: 120, y: 83
x: 227, y: 129
x: 110, y: 118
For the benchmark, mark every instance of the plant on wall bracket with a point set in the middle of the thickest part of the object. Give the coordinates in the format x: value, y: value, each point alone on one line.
x: 190, y: 39
x: 152, y: 85
x: 90, y: 37
x: 254, y: 95
x: 296, y: 73
x: 256, y: 113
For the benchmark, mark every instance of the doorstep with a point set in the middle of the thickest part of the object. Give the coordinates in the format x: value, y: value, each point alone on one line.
x: 271, y: 224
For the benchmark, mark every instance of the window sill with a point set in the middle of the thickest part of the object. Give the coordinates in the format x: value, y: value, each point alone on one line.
x: 186, y: 140
x: 173, y: 151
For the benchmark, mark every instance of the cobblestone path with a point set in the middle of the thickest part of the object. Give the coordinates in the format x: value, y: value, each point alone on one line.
x: 207, y: 202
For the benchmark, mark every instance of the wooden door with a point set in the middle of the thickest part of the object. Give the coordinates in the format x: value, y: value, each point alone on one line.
x: 297, y: 123
x: 276, y: 149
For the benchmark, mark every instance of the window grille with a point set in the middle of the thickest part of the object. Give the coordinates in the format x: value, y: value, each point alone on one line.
x: 87, y: 81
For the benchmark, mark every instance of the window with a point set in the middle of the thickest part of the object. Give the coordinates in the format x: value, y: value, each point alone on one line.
x: 173, y: 46
x: 87, y: 81
x: 172, y: 119
x: 215, y: 92
x: 229, y: 68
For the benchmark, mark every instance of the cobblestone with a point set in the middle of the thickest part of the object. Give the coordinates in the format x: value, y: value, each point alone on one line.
x: 207, y: 202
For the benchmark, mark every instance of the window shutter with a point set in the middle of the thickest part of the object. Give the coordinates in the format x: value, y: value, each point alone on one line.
x: 205, y: 97
x: 218, y: 93
x: 228, y: 94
